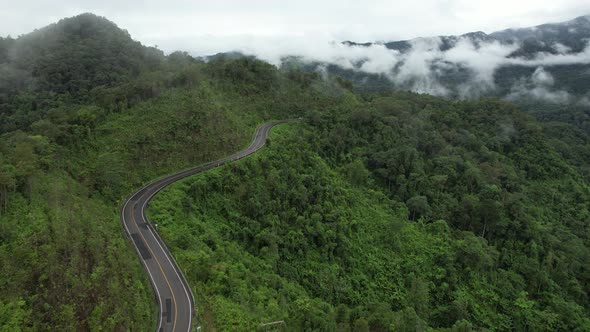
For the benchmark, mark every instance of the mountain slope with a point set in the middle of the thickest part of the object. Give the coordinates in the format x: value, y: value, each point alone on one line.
x: 402, y: 212
x: 68, y: 157
x: 547, y: 37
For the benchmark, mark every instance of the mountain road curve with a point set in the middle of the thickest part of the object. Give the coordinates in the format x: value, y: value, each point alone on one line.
x: 173, y: 294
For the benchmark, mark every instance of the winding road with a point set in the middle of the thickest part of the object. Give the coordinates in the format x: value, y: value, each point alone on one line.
x: 173, y: 294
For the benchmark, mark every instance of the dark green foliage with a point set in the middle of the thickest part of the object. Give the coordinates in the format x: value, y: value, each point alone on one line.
x: 400, y: 213
x: 249, y: 76
x: 79, y: 53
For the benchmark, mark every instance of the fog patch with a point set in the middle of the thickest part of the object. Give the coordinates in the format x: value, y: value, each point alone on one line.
x: 542, y: 78
x: 374, y: 59
x: 560, y: 48
x: 425, y: 68
x: 539, y: 87
x: 584, y: 101
x: 505, y: 131
x: 481, y: 61
x: 417, y: 67
x: 548, y: 59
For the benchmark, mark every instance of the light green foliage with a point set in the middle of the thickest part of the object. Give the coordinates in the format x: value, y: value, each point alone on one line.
x: 60, y: 257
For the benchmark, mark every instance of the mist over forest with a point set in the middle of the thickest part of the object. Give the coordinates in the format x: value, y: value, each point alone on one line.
x: 465, y: 66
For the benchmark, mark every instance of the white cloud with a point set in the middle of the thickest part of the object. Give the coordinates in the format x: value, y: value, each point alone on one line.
x: 542, y: 78
x: 548, y: 59
x: 374, y: 59
x: 560, y: 48
x: 417, y: 68
x: 481, y: 61
x: 540, y: 93
x: 424, y: 64
x: 540, y: 87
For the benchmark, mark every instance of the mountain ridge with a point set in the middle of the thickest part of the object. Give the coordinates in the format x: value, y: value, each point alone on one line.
x: 475, y: 64
x: 505, y: 35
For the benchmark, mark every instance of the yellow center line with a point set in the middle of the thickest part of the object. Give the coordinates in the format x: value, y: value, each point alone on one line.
x: 159, y: 265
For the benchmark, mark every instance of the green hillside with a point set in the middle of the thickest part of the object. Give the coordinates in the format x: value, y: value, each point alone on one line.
x: 401, y: 213
x: 70, y: 156
x: 390, y: 211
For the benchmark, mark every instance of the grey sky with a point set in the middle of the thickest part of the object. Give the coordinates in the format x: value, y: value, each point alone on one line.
x: 206, y: 27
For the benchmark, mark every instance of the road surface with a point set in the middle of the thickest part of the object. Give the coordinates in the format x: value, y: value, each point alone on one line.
x: 173, y: 294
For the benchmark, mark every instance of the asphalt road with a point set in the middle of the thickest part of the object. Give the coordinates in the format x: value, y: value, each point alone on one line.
x: 173, y: 294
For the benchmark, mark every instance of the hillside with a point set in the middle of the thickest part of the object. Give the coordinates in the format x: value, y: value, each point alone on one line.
x: 70, y: 153
x: 384, y: 212
x: 75, y: 55
x: 401, y: 213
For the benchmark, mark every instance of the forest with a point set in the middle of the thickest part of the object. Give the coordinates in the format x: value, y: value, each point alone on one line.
x: 389, y: 211
x: 389, y: 215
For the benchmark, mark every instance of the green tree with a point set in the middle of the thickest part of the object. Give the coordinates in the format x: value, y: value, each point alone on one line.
x: 419, y: 207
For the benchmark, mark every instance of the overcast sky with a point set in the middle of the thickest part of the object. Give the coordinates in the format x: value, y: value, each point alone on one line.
x: 208, y: 27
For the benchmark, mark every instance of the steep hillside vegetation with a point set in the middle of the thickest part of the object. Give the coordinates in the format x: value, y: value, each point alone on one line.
x: 399, y: 213
x: 75, y: 142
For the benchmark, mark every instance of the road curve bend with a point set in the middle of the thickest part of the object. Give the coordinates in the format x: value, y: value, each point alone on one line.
x: 173, y: 294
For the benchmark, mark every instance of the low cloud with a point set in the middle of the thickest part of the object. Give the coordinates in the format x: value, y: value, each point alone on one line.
x: 539, y: 87
x: 584, y: 101
x: 560, y: 48
x: 542, y: 78
x: 424, y: 67
x: 481, y: 62
x: 549, y: 59
x: 376, y: 59
x: 417, y: 68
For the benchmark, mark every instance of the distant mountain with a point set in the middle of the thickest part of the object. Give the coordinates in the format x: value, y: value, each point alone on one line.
x: 543, y: 38
x: 502, y: 63
x: 446, y: 42
x: 549, y: 38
